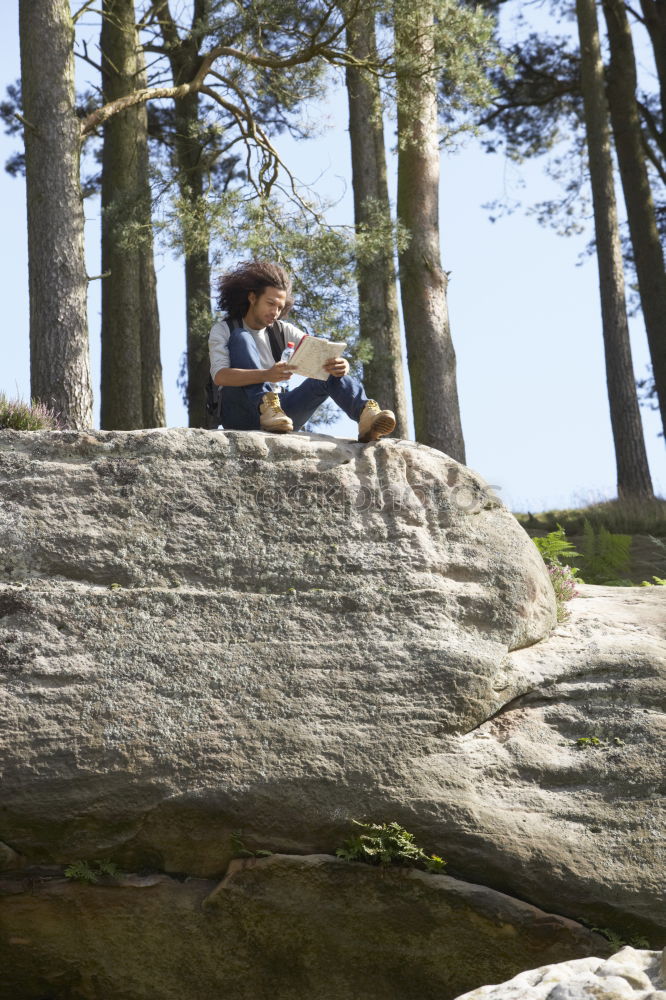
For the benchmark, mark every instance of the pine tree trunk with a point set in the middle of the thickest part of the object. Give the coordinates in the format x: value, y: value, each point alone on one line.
x: 633, y: 476
x: 654, y: 14
x: 197, y: 266
x: 379, y: 321
x: 648, y: 254
x: 184, y: 57
x: 132, y: 394
x: 423, y: 283
x: 152, y: 386
x: 59, y: 356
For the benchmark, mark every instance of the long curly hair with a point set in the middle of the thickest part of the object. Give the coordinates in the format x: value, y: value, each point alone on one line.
x: 252, y: 276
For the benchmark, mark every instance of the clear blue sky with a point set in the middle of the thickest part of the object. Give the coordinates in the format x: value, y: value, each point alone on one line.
x: 524, y: 317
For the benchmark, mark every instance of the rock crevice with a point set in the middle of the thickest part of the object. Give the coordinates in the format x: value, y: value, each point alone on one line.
x: 285, y: 926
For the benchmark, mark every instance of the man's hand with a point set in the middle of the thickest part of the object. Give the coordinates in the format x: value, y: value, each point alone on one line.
x: 280, y: 372
x: 337, y: 367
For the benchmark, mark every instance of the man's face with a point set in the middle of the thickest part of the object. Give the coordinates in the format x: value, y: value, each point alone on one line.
x: 265, y: 308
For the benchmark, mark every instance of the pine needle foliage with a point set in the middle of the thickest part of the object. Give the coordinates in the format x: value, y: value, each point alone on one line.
x: 319, y: 257
x: 466, y: 59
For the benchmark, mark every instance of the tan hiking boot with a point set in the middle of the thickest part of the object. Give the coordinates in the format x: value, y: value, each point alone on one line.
x: 271, y: 415
x: 375, y: 423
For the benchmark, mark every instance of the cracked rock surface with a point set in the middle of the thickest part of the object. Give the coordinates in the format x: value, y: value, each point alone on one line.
x: 204, y: 632
x: 280, y: 928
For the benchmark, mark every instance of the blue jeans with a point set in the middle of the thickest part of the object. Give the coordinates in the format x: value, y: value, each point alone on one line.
x: 240, y: 404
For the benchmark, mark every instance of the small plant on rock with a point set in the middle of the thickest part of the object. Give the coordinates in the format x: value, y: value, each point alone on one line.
x: 388, y: 844
x: 563, y: 580
x: 597, y: 742
x: 239, y: 850
x: 617, y: 939
x: 17, y: 415
x: 554, y: 547
x: 584, y: 742
x: 83, y: 871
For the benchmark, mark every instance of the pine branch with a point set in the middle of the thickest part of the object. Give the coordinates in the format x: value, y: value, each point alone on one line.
x: 634, y: 13
x: 86, y: 58
x: 654, y: 159
x: 87, y: 5
x: 250, y: 130
x: 98, y: 117
x: 530, y: 102
x: 651, y: 122
x: 148, y: 16
x: 312, y: 51
x: 25, y: 122
x: 167, y: 25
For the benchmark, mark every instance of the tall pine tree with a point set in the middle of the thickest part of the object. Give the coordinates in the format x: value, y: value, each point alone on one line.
x: 59, y: 353
x: 132, y: 392
x: 633, y: 476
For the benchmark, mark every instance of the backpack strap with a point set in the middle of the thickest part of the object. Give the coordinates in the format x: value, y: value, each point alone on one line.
x: 277, y: 339
x: 213, y: 392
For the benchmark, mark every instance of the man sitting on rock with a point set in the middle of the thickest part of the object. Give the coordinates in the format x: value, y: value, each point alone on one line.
x: 244, y: 350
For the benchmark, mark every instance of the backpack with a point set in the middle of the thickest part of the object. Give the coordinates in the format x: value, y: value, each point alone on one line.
x: 277, y: 338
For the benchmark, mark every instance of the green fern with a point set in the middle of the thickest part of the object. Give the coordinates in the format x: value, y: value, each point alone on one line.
x: 434, y: 863
x: 605, y: 556
x: 617, y: 939
x: 556, y: 546
x: 107, y: 869
x: 387, y: 844
x: 658, y: 582
x: 83, y: 871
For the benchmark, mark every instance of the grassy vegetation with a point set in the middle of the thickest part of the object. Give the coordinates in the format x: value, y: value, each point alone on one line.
x: 17, y: 415
x: 625, y: 517
x: 619, y: 542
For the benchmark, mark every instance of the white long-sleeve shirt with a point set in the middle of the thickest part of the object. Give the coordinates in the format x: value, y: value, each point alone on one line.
x: 218, y: 344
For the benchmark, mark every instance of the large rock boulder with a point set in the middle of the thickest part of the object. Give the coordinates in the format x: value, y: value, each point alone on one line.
x: 202, y: 631
x: 205, y: 632
x: 627, y: 975
x: 298, y: 928
x: 560, y: 796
